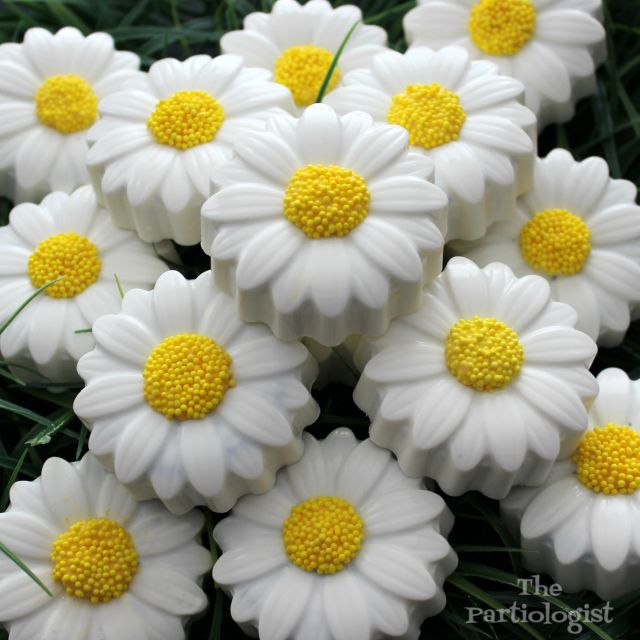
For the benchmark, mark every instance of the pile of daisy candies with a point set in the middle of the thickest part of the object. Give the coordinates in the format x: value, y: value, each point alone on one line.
x: 325, y: 223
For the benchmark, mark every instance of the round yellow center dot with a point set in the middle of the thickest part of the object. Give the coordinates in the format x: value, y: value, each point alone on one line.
x: 325, y: 200
x: 302, y: 70
x: 66, y: 103
x: 95, y: 560
x: 555, y: 241
x: 69, y: 255
x: 608, y: 459
x: 323, y: 534
x: 502, y: 27
x: 186, y: 376
x: 186, y: 119
x: 430, y: 113
x: 483, y: 353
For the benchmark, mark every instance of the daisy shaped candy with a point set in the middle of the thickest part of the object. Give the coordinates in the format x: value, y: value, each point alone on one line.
x: 580, y: 230
x: 188, y: 404
x: 582, y: 525
x: 297, y: 43
x: 462, y: 115
x: 552, y: 46
x: 325, y: 226
x: 483, y: 387
x: 50, y: 85
x: 344, y: 547
x: 72, y: 238
x: 115, y: 568
x: 155, y: 148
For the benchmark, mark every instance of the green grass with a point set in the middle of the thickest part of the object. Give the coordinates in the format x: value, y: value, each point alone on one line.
x: 36, y: 424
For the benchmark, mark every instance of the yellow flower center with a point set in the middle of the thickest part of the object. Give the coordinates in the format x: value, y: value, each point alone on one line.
x: 66, y: 103
x: 186, y: 119
x: 555, y: 241
x: 186, y: 376
x: 430, y: 113
x: 483, y: 353
x: 69, y: 255
x: 302, y: 69
x: 95, y: 560
x: 502, y: 27
x: 323, y: 534
x: 325, y: 200
x: 608, y: 459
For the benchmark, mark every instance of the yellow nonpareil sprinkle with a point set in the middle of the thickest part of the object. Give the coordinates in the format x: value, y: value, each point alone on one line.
x: 608, y: 459
x: 94, y: 560
x: 555, y: 241
x: 325, y: 200
x: 323, y: 534
x: 69, y: 255
x: 66, y: 103
x: 502, y: 27
x: 186, y: 119
x: 430, y: 113
x: 483, y: 353
x: 186, y: 376
x: 302, y: 69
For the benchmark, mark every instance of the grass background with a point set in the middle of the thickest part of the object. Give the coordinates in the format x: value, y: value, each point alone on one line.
x: 35, y: 424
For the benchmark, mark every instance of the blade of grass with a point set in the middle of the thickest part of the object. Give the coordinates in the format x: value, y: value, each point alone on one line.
x: 334, y: 62
x: 4, y: 501
x: 466, y: 586
x: 44, y: 437
x: 35, y: 294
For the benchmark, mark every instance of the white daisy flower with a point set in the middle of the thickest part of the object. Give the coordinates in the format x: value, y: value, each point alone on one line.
x: 155, y: 148
x: 325, y: 226
x: 50, y: 85
x: 116, y: 568
x: 580, y: 230
x: 72, y: 237
x: 188, y: 404
x: 462, y: 115
x: 292, y: 576
x: 552, y: 46
x: 582, y: 525
x: 297, y: 43
x: 483, y: 387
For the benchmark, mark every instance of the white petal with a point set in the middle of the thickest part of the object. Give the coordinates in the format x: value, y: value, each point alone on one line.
x: 441, y: 411
x: 240, y: 565
x: 405, y: 363
x: 615, y: 273
x: 551, y: 396
x: 285, y: 604
x: 400, y: 510
x: 125, y: 338
x: 142, y: 437
x: 27, y: 535
x: 345, y: 607
x: 168, y: 590
x: 267, y: 253
x: 20, y: 595
x: 611, y: 530
x: 522, y: 301
x: 114, y: 501
x: 255, y: 417
x: 173, y: 303
x: 109, y: 394
x: 557, y: 344
x: 64, y: 493
x: 554, y: 505
x: 202, y: 456
x: 155, y: 531
x: 614, y: 402
x: 568, y: 27
x: 396, y: 571
x: 361, y: 471
x: 309, y: 477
